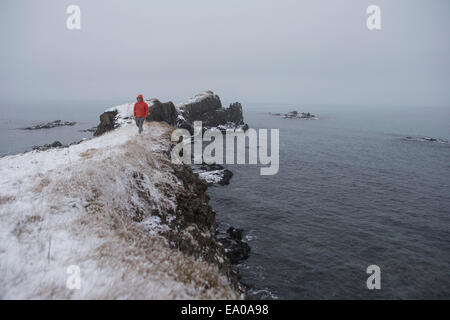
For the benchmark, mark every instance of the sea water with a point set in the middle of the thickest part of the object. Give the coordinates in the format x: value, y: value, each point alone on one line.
x: 351, y: 192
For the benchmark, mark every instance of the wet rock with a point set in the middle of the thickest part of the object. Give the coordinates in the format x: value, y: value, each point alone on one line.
x: 213, y: 173
x: 236, y: 249
x: 425, y: 139
x: 196, y: 217
x: 235, y: 234
x: 49, y: 125
x: 227, y: 175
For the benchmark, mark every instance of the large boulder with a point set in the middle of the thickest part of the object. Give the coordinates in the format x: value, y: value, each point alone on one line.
x: 107, y: 122
x: 236, y: 249
x: 207, y: 107
x: 159, y: 111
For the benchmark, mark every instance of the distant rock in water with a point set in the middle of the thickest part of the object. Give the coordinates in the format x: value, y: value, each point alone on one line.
x: 49, y: 125
x: 425, y: 139
x: 55, y: 144
x: 296, y: 115
x: 205, y: 107
x: 93, y: 129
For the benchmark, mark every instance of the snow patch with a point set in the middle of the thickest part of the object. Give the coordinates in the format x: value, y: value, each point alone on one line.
x: 99, y: 205
x: 197, y: 98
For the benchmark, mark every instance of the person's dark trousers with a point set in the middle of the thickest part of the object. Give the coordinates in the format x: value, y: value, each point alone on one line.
x: 139, y: 123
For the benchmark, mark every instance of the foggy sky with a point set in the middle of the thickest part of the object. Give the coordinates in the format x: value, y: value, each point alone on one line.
x: 311, y: 51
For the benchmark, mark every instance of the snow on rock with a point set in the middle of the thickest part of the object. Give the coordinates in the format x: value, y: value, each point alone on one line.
x: 212, y: 177
x: 124, y: 112
x: 101, y: 205
x: 198, y: 98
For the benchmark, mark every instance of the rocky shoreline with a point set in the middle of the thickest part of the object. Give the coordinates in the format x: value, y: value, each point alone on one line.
x: 192, y: 227
x: 195, y: 218
x: 137, y: 225
x: 50, y: 125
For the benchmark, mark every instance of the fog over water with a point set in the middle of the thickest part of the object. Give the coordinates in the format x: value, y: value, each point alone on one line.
x: 252, y: 51
x: 352, y: 189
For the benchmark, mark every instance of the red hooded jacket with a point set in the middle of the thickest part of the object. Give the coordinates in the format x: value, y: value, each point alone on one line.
x: 140, y: 108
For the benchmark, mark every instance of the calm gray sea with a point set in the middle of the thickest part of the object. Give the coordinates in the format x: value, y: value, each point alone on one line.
x: 15, y: 115
x: 351, y: 192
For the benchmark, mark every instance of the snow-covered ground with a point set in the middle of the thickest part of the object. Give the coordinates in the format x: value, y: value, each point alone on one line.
x: 89, y: 205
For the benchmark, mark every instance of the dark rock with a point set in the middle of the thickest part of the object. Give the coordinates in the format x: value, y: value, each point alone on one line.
x: 292, y: 114
x: 236, y: 249
x: 193, y: 212
x: 227, y: 175
x: 425, y: 139
x: 159, y: 111
x: 49, y: 125
x: 295, y: 115
x: 55, y: 144
x: 207, y: 108
x: 93, y: 129
x: 107, y: 122
x: 211, y: 167
x: 235, y: 233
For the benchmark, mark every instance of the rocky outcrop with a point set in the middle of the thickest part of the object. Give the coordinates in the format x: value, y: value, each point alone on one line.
x: 425, y: 139
x: 93, y: 129
x: 207, y: 107
x: 196, y: 218
x: 107, y: 122
x: 295, y: 115
x: 55, y: 144
x: 49, y: 125
x: 236, y: 249
x: 213, y: 173
x: 159, y: 111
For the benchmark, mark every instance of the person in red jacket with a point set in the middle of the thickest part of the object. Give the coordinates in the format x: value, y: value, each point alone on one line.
x: 140, y: 112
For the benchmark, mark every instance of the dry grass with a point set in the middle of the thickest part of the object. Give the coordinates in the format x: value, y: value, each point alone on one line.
x: 97, y: 213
